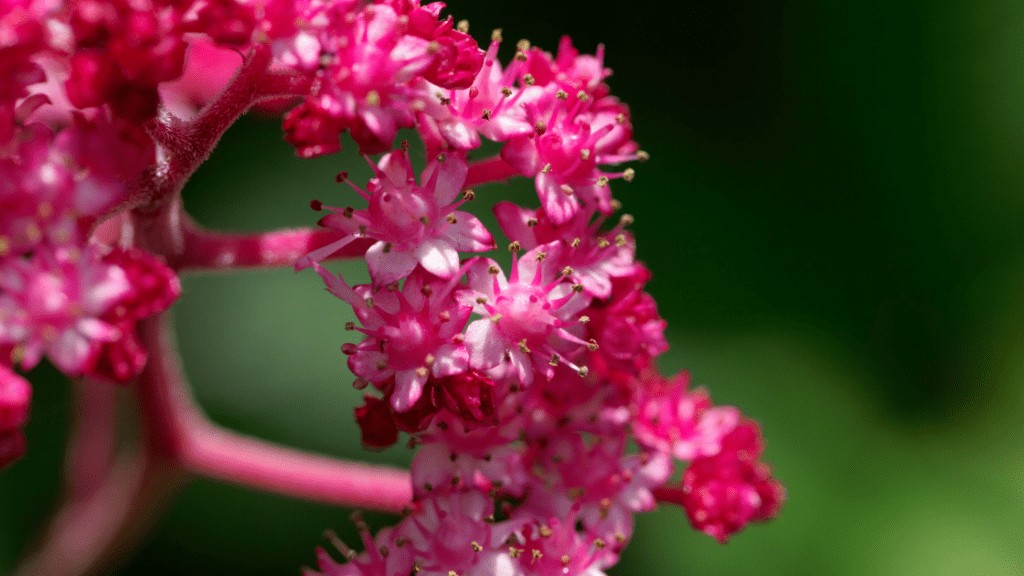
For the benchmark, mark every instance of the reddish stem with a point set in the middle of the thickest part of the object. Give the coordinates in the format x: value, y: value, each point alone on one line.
x: 275, y: 86
x: 181, y: 431
x: 92, y: 440
x: 186, y: 145
x: 490, y: 170
x: 88, y: 536
x: 669, y: 495
x: 231, y: 457
x: 209, y: 250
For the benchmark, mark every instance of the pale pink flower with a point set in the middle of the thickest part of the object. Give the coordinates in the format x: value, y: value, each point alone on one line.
x: 527, y: 320
x: 595, y: 256
x: 412, y: 224
x: 412, y: 333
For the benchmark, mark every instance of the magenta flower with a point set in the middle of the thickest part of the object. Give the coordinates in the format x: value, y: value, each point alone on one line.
x: 724, y: 492
x: 74, y: 307
x: 527, y: 320
x: 412, y: 225
x: 672, y: 420
x: 367, y: 59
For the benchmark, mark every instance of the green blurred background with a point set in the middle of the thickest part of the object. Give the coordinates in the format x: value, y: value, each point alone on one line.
x: 834, y: 214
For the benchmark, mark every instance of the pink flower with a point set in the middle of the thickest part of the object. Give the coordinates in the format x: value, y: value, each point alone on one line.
x: 468, y: 397
x: 672, y: 420
x: 595, y: 256
x: 553, y: 547
x: 368, y: 60
x: 627, y: 325
x: 453, y: 531
x: 724, y: 492
x: 486, y: 458
x: 600, y: 482
x: 78, y: 308
x: 411, y: 224
x: 381, y: 556
x: 490, y: 108
x: 123, y: 51
x: 528, y: 320
x: 15, y: 395
x: 412, y: 333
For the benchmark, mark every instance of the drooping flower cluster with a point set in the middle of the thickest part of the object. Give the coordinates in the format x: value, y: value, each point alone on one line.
x: 523, y: 387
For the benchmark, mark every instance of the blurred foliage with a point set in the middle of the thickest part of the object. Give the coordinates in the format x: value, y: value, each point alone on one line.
x: 833, y: 212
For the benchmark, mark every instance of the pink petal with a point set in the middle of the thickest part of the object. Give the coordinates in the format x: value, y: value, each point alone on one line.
x: 388, y: 267
x: 446, y: 177
x: 486, y: 347
x: 438, y: 257
x: 513, y: 222
x: 450, y: 359
x: 468, y: 234
x: 408, y: 388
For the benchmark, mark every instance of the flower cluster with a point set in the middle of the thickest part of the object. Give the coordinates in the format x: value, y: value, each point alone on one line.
x: 522, y: 387
x: 69, y: 291
x: 527, y: 387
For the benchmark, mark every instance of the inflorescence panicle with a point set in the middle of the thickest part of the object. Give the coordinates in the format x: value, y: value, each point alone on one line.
x: 521, y: 387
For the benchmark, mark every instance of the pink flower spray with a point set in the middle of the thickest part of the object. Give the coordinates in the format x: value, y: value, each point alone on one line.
x: 521, y: 387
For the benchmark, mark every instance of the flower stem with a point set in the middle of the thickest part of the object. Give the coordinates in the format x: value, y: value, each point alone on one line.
x: 182, y: 431
x: 92, y: 439
x: 88, y: 536
x: 493, y: 169
x: 210, y: 250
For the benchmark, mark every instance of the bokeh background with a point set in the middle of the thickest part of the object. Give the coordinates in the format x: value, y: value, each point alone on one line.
x: 834, y: 213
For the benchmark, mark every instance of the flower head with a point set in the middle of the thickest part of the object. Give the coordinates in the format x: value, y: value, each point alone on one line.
x: 411, y: 224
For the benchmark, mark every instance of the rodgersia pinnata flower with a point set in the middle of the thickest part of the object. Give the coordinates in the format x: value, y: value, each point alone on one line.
x: 526, y: 383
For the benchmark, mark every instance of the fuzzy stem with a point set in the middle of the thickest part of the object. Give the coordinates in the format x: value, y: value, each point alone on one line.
x: 209, y: 250
x: 276, y: 86
x: 493, y: 169
x: 186, y: 145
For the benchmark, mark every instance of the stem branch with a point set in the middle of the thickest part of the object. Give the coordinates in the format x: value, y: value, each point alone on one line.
x: 209, y: 250
x: 493, y: 169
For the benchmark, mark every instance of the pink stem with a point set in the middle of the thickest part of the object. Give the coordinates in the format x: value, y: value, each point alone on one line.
x: 231, y: 457
x: 88, y: 536
x: 490, y: 170
x: 92, y: 439
x: 186, y: 145
x: 208, y: 250
x: 284, y: 85
x: 669, y: 495
x: 180, y: 429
